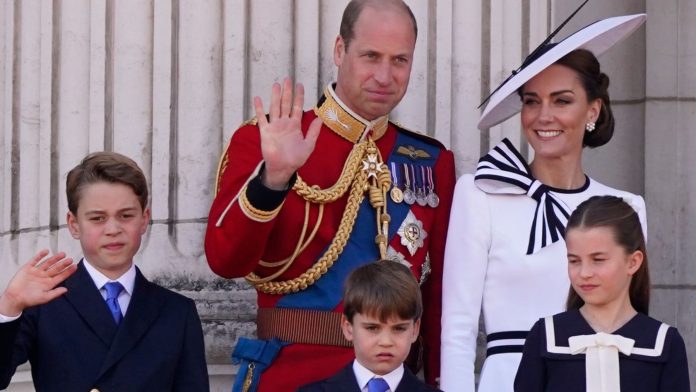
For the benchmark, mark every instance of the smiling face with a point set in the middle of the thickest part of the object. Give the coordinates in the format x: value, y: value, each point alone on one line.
x: 600, y: 269
x: 555, y: 111
x: 379, y: 346
x: 375, y: 67
x: 109, y: 223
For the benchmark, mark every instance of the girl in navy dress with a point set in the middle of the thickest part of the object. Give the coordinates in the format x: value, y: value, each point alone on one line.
x: 605, y: 342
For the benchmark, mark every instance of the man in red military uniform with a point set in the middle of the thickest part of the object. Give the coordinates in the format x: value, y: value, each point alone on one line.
x: 304, y: 198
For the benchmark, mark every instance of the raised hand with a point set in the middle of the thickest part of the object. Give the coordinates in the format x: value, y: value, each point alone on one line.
x: 35, y: 283
x: 283, y: 145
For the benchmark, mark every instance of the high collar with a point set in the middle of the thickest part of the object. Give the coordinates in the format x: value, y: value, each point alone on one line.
x: 346, y: 123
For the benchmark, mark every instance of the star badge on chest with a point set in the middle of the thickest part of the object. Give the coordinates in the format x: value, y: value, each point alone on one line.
x: 412, y: 233
x: 397, y: 257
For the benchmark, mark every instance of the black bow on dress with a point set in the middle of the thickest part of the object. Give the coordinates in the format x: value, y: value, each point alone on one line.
x: 504, y: 171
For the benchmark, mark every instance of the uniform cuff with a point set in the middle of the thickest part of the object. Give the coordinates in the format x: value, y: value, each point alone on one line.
x: 264, y: 198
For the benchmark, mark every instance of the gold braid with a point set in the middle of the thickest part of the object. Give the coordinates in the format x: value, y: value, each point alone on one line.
x: 322, y: 196
x: 322, y: 265
x: 357, y: 179
x: 313, y: 194
x: 273, y: 264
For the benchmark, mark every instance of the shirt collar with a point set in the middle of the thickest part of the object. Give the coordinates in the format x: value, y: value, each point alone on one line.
x: 127, y: 280
x: 363, y: 375
x: 345, y: 122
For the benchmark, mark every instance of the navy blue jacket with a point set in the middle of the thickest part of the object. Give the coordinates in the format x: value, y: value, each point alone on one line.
x: 659, y: 366
x: 73, y: 343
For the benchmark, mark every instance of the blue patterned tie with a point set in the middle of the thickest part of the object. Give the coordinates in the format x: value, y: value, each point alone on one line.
x: 377, y: 385
x: 113, y: 289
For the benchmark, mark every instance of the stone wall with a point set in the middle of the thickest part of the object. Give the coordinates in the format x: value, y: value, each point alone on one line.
x: 167, y: 82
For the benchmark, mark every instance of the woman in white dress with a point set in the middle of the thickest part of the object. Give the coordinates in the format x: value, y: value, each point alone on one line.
x: 505, y: 251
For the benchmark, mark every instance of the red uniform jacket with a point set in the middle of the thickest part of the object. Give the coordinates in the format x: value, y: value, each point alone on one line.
x: 235, y: 244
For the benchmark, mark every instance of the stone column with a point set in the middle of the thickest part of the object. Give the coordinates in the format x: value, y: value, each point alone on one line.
x: 670, y: 178
x: 168, y: 81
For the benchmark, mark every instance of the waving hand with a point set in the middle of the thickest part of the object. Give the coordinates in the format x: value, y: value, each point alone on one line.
x: 283, y: 145
x: 35, y: 283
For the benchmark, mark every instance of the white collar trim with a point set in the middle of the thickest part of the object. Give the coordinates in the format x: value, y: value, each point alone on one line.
x: 647, y: 352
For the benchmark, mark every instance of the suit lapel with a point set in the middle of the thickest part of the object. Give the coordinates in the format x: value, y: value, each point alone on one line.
x: 344, y: 381
x: 143, y: 310
x: 409, y: 382
x: 84, y: 296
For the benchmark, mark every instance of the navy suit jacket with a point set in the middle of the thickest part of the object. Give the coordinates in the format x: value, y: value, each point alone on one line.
x: 73, y: 343
x: 345, y: 381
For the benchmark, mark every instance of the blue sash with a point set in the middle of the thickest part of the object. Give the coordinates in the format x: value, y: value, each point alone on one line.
x: 253, y: 357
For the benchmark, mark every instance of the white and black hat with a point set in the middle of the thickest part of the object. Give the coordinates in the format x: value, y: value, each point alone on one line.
x: 598, y: 37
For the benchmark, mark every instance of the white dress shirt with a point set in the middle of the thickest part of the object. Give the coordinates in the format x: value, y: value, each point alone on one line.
x: 364, y: 375
x: 127, y: 280
x: 7, y: 319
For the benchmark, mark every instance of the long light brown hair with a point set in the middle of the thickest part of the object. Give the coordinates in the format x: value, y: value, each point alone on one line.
x: 615, y: 214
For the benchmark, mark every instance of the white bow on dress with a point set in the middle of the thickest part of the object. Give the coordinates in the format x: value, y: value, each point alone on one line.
x: 601, y: 359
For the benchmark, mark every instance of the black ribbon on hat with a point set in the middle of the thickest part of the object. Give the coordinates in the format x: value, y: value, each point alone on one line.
x: 504, y: 171
x: 536, y: 53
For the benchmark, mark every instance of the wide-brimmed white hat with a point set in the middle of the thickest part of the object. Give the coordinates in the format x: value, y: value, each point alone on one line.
x: 597, y: 38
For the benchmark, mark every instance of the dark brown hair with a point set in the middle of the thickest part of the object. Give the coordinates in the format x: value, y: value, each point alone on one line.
x: 596, y: 84
x: 355, y: 7
x: 109, y: 167
x: 615, y: 214
x: 382, y: 289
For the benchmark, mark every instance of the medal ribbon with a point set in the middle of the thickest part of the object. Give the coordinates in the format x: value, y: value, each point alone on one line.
x: 360, y: 247
x: 395, y: 174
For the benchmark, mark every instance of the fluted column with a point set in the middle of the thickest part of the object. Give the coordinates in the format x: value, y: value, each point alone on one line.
x: 168, y: 81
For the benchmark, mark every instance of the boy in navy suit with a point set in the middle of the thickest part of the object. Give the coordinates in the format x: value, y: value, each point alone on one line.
x: 106, y: 328
x: 382, y: 307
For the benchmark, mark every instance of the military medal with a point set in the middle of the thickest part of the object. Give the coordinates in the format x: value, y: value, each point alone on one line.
x: 396, y: 194
x: 372, y: 166
x: 421, y: 198
x: 433, y: 199
x: 412, y: 233
x: 409, y: 195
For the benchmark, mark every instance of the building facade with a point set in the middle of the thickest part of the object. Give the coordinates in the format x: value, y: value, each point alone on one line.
x: 166, y: 82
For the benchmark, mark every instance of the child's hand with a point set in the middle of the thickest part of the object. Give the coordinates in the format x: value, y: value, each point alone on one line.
x: 35, y: 283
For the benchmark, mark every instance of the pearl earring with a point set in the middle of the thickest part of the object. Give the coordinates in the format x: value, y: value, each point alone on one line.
x: 590, y: 126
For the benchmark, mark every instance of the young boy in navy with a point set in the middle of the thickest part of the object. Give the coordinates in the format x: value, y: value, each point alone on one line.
x: 382, y: 307
x: 106, y: 327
